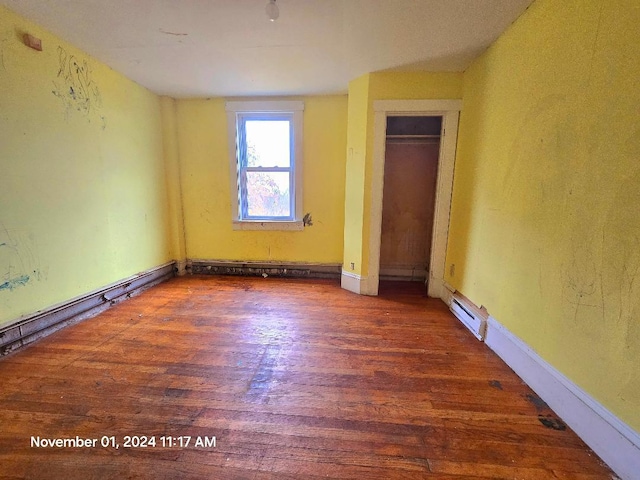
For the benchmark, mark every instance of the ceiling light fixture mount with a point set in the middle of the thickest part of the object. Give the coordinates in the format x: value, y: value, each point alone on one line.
x: 273, y: 12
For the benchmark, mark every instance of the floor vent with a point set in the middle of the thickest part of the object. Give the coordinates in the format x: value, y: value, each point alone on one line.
x: 474, y: 318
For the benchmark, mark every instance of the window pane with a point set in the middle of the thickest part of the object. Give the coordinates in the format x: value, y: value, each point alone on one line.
x: 268, y: 143
x: 268, y: 194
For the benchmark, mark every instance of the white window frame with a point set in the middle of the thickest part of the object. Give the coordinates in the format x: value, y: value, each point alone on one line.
x: 238, y: 112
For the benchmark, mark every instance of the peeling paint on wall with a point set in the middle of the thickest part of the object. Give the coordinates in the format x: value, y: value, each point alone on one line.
x: 307, y: 221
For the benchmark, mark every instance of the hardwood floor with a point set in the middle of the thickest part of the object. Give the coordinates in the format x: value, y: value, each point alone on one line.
x: 295, y: 379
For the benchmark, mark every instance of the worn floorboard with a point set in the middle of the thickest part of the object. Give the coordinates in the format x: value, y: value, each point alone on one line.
x: 295, y: 379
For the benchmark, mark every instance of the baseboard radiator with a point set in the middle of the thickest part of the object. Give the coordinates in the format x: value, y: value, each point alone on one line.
x: 613, y: 440
x: 471, y: 316
x: 264, y: 269
x: 42, y: 323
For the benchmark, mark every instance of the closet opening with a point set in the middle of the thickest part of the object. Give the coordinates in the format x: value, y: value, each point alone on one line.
x: 412, y: 150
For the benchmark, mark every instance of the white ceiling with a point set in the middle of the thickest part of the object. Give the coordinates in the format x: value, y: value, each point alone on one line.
x: 203, y: 48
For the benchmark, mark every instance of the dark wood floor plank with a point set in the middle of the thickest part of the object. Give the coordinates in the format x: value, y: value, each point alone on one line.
x: 296, y: 379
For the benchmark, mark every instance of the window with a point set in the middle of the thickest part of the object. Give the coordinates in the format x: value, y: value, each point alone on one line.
x: 265, y: 150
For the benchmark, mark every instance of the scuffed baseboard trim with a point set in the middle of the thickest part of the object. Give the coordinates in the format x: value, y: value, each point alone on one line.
x: 353, y: 282
x: 614, y: 441
x: 274, y: 269
x: 181, y: 267
x: 28, y: 329
x: 447, y: 293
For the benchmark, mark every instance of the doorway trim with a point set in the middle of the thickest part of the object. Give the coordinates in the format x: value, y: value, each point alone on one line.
x: 449, y: 110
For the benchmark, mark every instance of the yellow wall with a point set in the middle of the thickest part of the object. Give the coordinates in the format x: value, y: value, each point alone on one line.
x: 545, y: 227
x: 82, y: 197
x: 415, y: 85
x: 354, y: 192
x: 204, y: 158
x: 545, y: 230
x: 379, y: 86
x: 173, y: 184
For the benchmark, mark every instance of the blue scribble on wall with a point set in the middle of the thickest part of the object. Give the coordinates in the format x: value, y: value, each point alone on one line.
x: 75, y: 86
x: 19, y: 259
x: 15, y: 283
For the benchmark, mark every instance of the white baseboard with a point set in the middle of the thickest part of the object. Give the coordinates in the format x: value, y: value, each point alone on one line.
x: 354, y: 283
x: 614, y: 441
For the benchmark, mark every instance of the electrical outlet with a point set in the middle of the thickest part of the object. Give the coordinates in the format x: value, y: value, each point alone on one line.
x: 353, y: 266
x: 452, y: 270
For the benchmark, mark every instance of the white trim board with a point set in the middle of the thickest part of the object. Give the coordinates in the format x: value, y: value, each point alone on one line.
x: 449, y: 110
x: 417, y: 107
x: 292, y: 225
x: 613, y: 440
x: 447, y: 293
x: 353, y: 282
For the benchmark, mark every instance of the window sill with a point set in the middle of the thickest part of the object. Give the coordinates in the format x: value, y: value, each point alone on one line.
x: 295, y: 225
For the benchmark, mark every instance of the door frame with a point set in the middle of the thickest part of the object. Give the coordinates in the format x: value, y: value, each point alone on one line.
x: 449, y: 110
